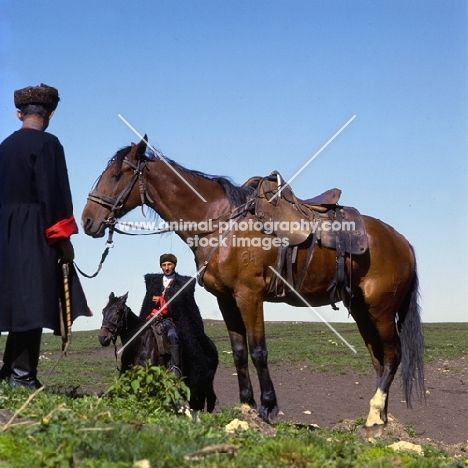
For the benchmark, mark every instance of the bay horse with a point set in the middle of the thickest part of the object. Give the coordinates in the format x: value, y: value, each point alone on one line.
x: 118, y: 320
x: 382, y: 281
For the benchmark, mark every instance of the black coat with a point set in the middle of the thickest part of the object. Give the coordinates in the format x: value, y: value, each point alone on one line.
x: 34, y: 195
x: 199, y: 355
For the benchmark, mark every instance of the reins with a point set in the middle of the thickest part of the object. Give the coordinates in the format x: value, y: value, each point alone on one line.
x: 120, y: 328
x: 114, y: 204
x: 201, y: 272
x: 109, y: 245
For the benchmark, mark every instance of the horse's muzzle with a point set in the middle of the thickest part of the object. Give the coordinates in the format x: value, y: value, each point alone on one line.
x: 93, y: 228
x: 104, y: 340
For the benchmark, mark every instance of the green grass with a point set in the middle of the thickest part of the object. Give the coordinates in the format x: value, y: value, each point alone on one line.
x: 445, y: 340
x: 313, y: 344
x: 115, y: 432
x: 317, y: 346
x: 87, y: 365
x: 70, y: 425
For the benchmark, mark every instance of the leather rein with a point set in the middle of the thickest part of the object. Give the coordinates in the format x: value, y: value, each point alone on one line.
x: 114, y: 204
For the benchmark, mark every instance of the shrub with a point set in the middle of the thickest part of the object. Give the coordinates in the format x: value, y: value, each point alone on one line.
x: 150, y: 389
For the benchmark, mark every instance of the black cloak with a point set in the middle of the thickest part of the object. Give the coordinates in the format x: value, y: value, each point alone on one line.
x: 199, y: 355
x: 34, y: 195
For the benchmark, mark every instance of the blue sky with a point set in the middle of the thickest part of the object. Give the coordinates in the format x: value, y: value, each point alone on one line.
x: 242, y: 88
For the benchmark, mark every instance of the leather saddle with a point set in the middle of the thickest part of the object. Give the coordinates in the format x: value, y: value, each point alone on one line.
x: 320, y: 219
x: 296, y: 220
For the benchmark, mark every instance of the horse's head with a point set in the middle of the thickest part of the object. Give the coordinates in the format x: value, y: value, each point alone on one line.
x: 113, y: 316
x: 116, y: 191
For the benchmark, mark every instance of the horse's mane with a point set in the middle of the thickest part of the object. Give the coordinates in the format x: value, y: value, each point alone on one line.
x: 236, y: 195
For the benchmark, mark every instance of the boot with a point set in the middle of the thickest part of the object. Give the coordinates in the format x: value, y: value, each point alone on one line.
x: 175, y: 361
x: 25, y: 359
x: 5, y: 371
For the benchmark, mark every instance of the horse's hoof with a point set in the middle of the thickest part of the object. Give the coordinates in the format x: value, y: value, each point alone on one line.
x: 372, y: 432
x: 267, y: 414
x: 263, y: 414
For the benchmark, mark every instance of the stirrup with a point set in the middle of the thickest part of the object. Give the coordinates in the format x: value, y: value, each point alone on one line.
x: 176, y: 371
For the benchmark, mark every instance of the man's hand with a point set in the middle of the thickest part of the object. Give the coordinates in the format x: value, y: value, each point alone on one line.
x: 66, y: 251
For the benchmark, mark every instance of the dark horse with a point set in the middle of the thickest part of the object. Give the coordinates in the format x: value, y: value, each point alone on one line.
x: 118, y: 321
x: 153, y: 345
x: 382, y: 281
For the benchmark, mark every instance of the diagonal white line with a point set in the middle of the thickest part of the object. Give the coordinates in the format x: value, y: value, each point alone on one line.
x: 160, y: 155
x: 351, y: 347
x: 313, y: 157
x: 154, y: 316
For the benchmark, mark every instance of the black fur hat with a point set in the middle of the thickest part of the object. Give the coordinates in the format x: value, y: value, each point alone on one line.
x: 168, y: 257
x: 43, y: 95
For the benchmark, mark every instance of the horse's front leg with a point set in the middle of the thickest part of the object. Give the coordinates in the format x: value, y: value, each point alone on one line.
x: 237, y: 336
x: 252, y: 312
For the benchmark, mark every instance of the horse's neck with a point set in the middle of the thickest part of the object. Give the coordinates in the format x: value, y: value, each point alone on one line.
x: 132, y: 323
x: 179, y: 196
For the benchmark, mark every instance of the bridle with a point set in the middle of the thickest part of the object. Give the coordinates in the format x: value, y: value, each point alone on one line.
x: 116, y: 203
x: 115, y: 327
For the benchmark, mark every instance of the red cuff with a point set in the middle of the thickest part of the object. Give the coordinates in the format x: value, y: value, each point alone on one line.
x: 61, y: 230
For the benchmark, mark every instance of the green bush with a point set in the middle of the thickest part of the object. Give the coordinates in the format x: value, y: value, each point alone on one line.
x: 150, y: 389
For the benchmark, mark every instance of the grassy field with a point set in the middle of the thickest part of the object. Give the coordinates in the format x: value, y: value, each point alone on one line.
x: 67, y: 428
x: 91, y: 367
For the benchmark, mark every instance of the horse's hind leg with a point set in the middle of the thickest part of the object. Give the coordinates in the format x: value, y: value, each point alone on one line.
x: 382, y: 342
x: 237, y: 336
x: 386, y: 357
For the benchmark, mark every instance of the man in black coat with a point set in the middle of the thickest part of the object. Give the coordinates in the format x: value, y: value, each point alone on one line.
x: 161, y: 285
x: 174, y: 295
x: 36, y: 222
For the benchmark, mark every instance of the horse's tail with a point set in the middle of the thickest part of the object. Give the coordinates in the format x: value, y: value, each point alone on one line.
x: 412, y: 342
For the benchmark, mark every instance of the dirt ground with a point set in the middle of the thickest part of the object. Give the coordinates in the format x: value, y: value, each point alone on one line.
x: 332, y: 400
x: 337, y: 399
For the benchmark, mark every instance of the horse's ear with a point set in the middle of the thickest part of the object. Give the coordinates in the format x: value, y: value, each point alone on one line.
x: 124, y: 297
x: 142, y: 146
x: 111, y: 296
